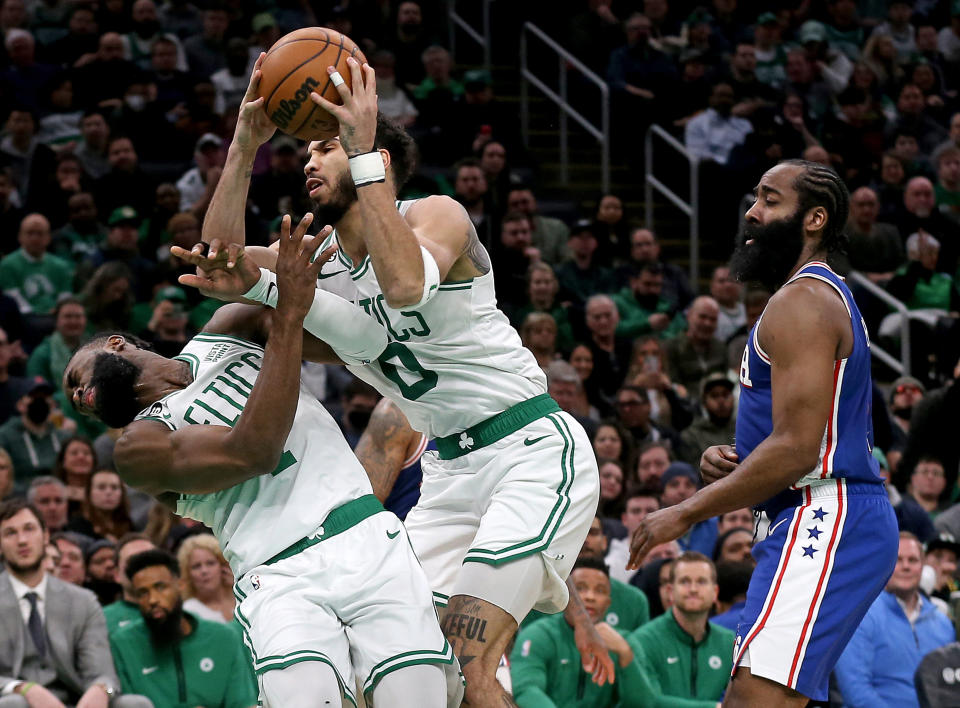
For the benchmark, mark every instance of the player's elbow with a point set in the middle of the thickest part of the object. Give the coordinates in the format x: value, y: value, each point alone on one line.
x: 405, y: 293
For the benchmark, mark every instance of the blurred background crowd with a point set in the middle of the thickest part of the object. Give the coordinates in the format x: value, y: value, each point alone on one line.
x: 116, y: 119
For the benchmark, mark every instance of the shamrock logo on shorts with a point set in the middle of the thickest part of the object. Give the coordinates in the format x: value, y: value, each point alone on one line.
x: 466, y: 442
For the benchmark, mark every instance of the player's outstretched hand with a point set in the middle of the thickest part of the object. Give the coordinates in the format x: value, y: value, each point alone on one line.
x: 658, y: 527
x: 594, y: 654
x: 254, y: 126
x: 717, y: 462
x: 224, y: 273
x: 358, y: 114
x: 297, y: 269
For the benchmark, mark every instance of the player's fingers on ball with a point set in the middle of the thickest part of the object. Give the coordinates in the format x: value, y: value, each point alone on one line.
x: 340, y: 84
x: 356, y: 75
x: 331, y: 108
x: 369, y: 80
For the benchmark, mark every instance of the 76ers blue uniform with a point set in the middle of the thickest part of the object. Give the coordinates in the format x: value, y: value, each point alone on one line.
x: 832, y: 542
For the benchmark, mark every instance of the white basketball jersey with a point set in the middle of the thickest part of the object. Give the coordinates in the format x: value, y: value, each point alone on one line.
x: 256, y: 519
x: 450, y: 364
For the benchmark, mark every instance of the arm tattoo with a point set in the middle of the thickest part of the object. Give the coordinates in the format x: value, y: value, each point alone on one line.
x: 383, y: 448
x: 475, y: 251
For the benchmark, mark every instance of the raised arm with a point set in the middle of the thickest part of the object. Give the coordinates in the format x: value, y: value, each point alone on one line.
x: 199, y: 459
x: 438, y: 224
x: 803, y: 331
x: 225, y: 214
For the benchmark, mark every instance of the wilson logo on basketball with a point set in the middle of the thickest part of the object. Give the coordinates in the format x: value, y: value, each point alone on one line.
x: 288, y: 107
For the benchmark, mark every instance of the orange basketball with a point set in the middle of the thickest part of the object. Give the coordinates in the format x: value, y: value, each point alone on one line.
x: 296, y: 66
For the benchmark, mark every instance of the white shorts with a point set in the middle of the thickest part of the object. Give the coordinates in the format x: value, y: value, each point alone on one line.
x: 358, y: 601
x: 532, y: 493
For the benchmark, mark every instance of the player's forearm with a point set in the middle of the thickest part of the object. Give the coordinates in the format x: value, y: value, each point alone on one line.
x: 225, y: 213
x: 393, y: 247
x: 575, y: 613
x: 262, y: 429
x: 773, y: 466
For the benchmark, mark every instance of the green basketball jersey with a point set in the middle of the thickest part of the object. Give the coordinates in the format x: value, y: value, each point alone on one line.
x: 451, y: 363
x: 258, y: 518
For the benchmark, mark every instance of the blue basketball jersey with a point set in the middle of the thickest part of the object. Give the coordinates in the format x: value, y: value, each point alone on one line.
x: 406, y: 490
x: 846, y: 448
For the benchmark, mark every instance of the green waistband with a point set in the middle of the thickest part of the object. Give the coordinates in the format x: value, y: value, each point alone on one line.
x: 496, y: 428
x: 337, y: 521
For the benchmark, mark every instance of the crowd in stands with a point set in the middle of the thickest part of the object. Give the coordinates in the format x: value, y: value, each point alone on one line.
x: 116, y: 119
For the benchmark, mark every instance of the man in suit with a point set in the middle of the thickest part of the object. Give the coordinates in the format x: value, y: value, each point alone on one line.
x: 53, y: 638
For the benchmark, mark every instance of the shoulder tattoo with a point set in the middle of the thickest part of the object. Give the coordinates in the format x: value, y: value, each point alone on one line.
x: 475, y: 251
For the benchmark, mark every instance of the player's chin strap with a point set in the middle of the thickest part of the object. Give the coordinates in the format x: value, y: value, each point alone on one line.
x: 355, y: 337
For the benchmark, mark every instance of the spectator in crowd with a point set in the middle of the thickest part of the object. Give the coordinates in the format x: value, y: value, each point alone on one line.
x: 636, y: 506
x: 594, y: 33
x: 101, y: 78
x: 358, y: 401
x: 24, y: 75
x: 653, y: 460
x: 206, y: 49
x: 78, y: 239
x: 644, y: 248
x: 565, y: 387
x: 121, y: 246
x: 712, y: 135
x: 207, y: 579
x: 874, y: 248
x: 59, y: 651
x: 927, y: 484
x: 101, y: 561
x: 612, y: 229
x: 733, y: 579
x: 470, y: 189
x: 12, y: 388
x: 642, y: 307
x: 771, y: 57
x: 736, y: 519
x: 940, y: 556
x: 81, y: 38
x: 582, y: 275
x: 230, y: 82
x: 542, y: 288
x: 49, y: 496
x: 6, y: 476
x: 898, y: 27
x: 50, y: 358
x: 550, y: 235
x: 30, y: 437
x: 728, y: 294
x: 172, y: 85
x: 437, y: 66
x: 544, y: 661
x: 105, y: 512
x: 734, y: 545
x: 409, y: 41
x: 693, y: 354
x: 539, y: 334
x: 611, y: 352
x: 935, y: 679
x: 611, y: 442
x: 899, y: 629
x: 679, y: 483
x: 683, y: 653
x: 197, y: 662
x: 946, y: 160
x: 515, y: 256
x: 31, y: 275
x: 668, y: 405
x: 146, y: 29
x: 197, y: 184
x: 126, y: 184
x: 125, y: 609
x: 72, y: 567
x: 611, y: 487
x: 913, y: 116
x: 392, y: 100
x: 76, y: 461
x: 281, y: 189
x: 718, y: 425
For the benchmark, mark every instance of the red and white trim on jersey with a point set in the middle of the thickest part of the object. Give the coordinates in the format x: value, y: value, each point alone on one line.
x: 417, y: 453
x: 782, y: 632
x: 756, y: 341
x: 830, y: 436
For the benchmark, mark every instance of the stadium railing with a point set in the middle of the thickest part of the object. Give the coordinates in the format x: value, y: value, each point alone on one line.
x: 687, y: 206
x: 481, y: 36
x: 565, y: 62
x: 902, y: 367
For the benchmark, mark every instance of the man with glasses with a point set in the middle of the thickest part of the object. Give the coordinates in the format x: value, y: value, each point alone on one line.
x: 633, y: 411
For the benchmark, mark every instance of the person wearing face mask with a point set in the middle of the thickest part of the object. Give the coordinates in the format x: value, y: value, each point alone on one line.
x: 392, y: 100
x: 31, y: 439
x: 359, y: 400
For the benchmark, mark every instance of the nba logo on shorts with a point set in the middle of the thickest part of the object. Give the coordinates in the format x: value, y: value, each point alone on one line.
x: 255, y: 581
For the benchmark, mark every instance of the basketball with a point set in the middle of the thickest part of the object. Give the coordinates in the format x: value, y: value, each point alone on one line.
x: 296, y: 66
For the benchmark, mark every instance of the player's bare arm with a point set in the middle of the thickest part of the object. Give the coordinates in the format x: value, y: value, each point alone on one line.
x: 806, y: 329
x: 590, y: 644
x: 225, y: 215
x: 200, y: 459
x: 384, y: 446
x: 393, y: 241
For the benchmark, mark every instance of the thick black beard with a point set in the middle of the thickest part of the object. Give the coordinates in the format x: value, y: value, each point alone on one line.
x: 115, y: 378
x: 904, y: 413
x: 341, y: 200
x: 166, y: 631
x: 773, y: 254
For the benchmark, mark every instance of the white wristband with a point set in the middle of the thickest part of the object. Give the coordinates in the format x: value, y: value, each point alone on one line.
x: 265, y: 290
x: 367, y: 168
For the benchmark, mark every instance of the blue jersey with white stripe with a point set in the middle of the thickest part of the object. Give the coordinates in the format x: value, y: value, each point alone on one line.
x: 845, y: 451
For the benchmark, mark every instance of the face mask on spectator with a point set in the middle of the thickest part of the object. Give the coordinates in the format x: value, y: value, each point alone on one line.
x: 38, y: 410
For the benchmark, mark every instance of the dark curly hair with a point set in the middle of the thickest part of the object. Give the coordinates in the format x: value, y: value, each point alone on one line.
x: 403, y: 150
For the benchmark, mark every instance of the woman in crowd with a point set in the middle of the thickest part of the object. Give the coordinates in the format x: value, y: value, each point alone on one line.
x: 539, y: 334
x: 612, y: 442
x: 581, y: 359
x: 207, y: 579
x: 612, y: 229
x: 75, y: 462
x: 106, y: 509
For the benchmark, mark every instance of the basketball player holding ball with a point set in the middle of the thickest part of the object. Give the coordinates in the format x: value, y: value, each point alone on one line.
x: 507, y: 499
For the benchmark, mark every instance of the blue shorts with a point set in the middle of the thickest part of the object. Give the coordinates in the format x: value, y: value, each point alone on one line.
x: 821, y: 566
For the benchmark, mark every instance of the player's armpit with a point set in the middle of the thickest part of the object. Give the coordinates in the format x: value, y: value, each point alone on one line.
x: 197, y: 459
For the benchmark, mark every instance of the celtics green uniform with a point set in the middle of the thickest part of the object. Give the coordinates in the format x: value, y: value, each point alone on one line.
x: 35, y: 283
x: 121, y: 614
x: 689, y: 674
x: 313, y: 551
x: 208, y: 668
x: 513, y: 476
x: 546, y: 672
